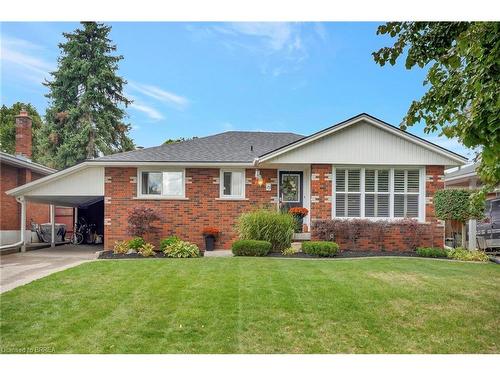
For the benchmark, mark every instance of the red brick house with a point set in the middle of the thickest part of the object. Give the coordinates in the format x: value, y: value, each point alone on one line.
x: 17, y: 170
x: 359, y: 168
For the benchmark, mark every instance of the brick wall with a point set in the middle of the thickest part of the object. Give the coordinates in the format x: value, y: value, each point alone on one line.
x: 10, y: 219
x: 183, y: 218
x: 321, y: 192
x: 431, y: 233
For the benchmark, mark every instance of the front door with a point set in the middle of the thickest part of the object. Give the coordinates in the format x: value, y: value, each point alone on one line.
x: 291, y: 189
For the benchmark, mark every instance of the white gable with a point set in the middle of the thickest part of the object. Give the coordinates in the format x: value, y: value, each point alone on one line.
x: 82, y: 182
x: 364, y: 141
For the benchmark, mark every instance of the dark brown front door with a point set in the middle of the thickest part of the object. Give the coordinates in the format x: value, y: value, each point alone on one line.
x: 291, y: 189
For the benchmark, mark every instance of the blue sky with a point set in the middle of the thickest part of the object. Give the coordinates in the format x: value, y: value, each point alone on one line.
x: 196, y: 79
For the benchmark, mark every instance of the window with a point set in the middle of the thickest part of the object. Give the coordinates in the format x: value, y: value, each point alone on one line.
x: 406, y: 193
x: 163, y: 184
x: 377, y: 192
x: 232, y: 184
x: 348, y: 196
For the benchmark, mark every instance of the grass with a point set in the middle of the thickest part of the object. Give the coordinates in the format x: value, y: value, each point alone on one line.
x: 244, y: 305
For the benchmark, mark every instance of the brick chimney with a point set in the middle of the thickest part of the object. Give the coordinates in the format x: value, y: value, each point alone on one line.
x: 23, y: 134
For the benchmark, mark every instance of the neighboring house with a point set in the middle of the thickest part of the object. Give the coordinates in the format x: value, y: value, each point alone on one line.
x: 17, y: 170
x: 361, y: 167
x: 466, y: 177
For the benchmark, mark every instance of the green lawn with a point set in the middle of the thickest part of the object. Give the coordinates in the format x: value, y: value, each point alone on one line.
x: 248, y: 305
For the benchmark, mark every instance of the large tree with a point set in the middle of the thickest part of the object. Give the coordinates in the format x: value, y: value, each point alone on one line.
x: 463, y: 79
x: 86, y: 111
x: 8, y: 127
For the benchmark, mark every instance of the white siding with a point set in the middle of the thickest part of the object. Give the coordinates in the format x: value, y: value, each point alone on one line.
x: 363, y: 143
x: 84, y: 182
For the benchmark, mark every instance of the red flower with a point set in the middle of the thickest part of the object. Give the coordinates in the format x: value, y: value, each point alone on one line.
x: 211, y: 231
x: 298, y: 211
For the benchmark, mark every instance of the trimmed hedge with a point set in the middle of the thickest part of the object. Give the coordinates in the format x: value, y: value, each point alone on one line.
x: 431, y: 252
x: 320, y: 248
x: 251, y: 248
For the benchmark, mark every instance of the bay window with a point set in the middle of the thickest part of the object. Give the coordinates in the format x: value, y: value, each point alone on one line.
x: 162, y: 184
x: 372, y: 192
x: 232, y: 184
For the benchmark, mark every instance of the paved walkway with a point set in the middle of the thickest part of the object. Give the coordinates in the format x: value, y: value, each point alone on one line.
x: 22, y: 268
x: 218, y: 253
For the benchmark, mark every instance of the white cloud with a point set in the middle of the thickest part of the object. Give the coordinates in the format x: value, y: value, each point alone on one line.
x: 279, y: 45
x: 22, y: 57
x: 160, y: 94
x: 151, y: 112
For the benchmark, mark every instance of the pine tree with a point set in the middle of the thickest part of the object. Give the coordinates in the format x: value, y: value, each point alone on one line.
x: 85, y: 116
x: 8, y: 127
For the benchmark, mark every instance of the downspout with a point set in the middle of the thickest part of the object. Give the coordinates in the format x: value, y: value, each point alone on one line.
x: 256, y: 162
x: 23, y: 225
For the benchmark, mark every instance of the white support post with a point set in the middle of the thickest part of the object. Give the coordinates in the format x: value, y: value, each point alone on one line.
x: 472, y: 234
x: 75, y: 221
x: 52, y: 226
x: 23, y: 224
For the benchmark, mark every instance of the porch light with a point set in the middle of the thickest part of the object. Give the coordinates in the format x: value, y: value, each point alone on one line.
x: 258, y: 176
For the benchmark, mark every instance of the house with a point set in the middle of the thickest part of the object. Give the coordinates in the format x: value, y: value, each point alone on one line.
x: 361, y: 167
x: 466, y: 178
x: 17, y: 170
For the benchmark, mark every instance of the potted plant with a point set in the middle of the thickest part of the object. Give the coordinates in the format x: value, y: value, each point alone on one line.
x: 298, y: 213
x: 210, y: 234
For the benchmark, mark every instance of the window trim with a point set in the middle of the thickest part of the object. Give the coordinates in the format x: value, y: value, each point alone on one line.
x: 392, y: 193
x: 222, y: 196
x: 139, y: 193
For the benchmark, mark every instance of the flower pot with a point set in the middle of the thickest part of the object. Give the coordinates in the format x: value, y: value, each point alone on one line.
x: 209, y: 243
x: 298, y: 223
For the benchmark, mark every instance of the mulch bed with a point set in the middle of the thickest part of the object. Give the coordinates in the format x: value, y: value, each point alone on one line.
x: 109, y: 255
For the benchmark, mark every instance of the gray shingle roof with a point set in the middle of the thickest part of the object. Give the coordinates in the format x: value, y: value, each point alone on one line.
x: 231, y: 147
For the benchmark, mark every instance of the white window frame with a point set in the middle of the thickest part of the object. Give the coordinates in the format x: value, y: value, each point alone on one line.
x: 140, y: 195
x: 391, y: 168
x: 221, y: 184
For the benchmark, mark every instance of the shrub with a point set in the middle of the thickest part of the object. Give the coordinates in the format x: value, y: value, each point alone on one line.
x: 431, y: 252
x: 140, y: 221
x: 182, y: 249
x: 320, y: 248
x: 354, y: 230
x: 267, y: 225
x: 136, y: 242
x: 146, y: 250
x: 410, y: 231
x: 168, y: 241
x: 251, y: 248
x: 121, y: 247
x: 463, y: 254
x: 289, y: 251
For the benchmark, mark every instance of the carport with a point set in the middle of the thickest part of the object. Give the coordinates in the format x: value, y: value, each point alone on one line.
x: 79, y: 187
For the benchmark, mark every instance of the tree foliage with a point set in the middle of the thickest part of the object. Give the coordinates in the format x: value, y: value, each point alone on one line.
x: 86, y: 112
x: 8, y: 126
x: 141, y: 221
x: 463, y: 97
x: 457, y: 204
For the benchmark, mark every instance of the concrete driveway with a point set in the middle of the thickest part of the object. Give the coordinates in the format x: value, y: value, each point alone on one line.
x: 22, y: 268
